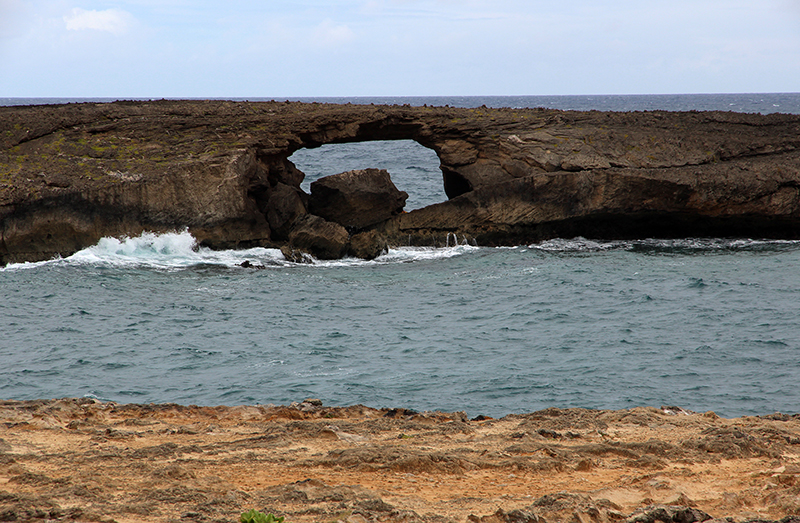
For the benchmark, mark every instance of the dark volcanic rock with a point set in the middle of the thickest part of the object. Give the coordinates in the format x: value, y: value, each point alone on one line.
x: 322, y: 239
x: 356, y: 198
x: 295, y: 255
x: 367, y: 245
x: 619, y: 203
x: 284, y: 207
x: 71, y: 174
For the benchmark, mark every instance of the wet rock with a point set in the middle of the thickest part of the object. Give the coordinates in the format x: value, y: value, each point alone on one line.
x: 295, y: 255
x: 247, y: 264
x: 356, y: 198
x: 367, y: 245
x: 318, y: 237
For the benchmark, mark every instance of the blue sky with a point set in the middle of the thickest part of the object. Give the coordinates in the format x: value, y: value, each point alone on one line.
x: 277, y: 48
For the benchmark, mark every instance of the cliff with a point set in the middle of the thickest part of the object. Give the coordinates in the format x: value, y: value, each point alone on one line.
x: 71, y: 174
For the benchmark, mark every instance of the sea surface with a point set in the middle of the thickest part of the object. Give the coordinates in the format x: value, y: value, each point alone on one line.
x: 704, y: 324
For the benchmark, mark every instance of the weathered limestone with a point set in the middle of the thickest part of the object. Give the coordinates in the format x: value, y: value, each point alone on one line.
x: 72, y: 174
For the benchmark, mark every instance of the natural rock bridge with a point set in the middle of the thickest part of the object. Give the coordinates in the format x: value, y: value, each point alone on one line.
x: 71, y: 174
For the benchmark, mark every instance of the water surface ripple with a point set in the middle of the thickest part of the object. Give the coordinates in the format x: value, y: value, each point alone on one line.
x: 703, y: 324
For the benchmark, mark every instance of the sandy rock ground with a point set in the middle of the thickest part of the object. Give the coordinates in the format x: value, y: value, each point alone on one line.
x: 83, y: 460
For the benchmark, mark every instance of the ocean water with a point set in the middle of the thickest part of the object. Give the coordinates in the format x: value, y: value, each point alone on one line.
x: 705, y: 324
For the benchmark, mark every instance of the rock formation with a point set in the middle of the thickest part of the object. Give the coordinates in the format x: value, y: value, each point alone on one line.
x: 356, y: 199
x: 71, y: 174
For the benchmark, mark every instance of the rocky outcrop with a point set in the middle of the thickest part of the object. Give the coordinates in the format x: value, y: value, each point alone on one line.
x: 357, y: 199
x: 318, y: 237
x: 72, y: 174
x: 620, y: 203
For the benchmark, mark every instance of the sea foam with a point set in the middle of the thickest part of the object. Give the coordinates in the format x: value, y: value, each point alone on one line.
x: 180, y: 250
x: 682, y: 245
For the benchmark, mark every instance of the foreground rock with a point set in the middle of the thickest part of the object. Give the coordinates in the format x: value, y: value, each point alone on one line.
x: 79, y: 459
x: 72, y: 174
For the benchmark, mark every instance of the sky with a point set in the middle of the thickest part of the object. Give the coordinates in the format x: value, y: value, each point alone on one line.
x: 317, y: 48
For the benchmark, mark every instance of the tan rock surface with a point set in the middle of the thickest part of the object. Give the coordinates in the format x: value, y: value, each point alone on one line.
x: 89, y: 461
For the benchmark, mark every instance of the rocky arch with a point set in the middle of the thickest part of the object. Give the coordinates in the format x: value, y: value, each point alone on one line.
x: 414, y: 168
x: 454, y: 149
x: 275, y: 186
x: 71, y: 174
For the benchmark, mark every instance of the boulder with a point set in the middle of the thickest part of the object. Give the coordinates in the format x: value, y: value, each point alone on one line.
x: 367, y: 245
x: 356, y: 199
x: 318, y: 237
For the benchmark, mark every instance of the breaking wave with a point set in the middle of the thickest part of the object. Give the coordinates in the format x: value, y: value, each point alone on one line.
x: 180, y: 250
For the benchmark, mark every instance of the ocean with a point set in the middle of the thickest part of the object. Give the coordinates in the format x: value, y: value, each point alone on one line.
x: 704, y: 324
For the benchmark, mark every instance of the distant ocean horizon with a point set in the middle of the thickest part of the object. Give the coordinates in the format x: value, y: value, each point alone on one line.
x: 700, y: 323
x: 763, y: 103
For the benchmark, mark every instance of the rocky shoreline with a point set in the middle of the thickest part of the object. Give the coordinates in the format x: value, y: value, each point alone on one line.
x: 85, y: 460
x: 71, y: 174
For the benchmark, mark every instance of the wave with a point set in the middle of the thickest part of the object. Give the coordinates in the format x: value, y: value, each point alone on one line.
x: 179, y: 250
x: 674, y: 246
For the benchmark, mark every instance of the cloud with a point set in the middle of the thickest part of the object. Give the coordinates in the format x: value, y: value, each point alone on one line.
x: 329, y: 34
x: 115, y: 21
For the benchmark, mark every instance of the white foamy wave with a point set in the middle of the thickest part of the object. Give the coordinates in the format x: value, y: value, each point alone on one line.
x: 581, y: 245
x: 400, y: 255
x: 147, y: 249
x: 575, y: 245
x: 407, y: 254
x: 159, y: 251
x: 179, y: 250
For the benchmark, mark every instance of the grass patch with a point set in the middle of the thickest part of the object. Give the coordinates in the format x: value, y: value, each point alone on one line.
x: 254, y: 516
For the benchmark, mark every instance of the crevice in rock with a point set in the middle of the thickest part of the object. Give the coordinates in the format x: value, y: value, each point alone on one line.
x: 454, y: 183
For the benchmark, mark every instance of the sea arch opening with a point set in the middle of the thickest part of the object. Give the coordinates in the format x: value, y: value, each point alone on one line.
x: 413, y: 167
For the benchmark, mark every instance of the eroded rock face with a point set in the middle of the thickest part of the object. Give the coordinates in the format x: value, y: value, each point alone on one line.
x: 357, y: 198
x: 619, y: 203
x: 72, y: 174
